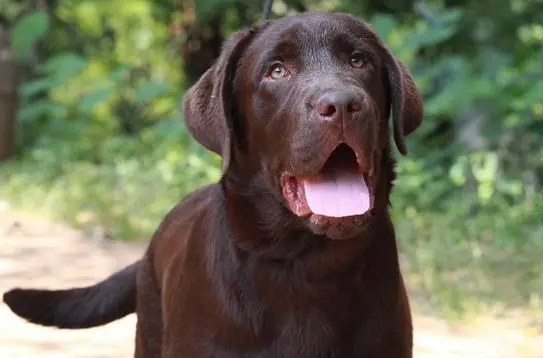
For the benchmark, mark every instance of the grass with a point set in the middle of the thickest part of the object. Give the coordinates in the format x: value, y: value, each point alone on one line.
x: 462, y: 265
x: 467, y: 265
x: 125, y: 188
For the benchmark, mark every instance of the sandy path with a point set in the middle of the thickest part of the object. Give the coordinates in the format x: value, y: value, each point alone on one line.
x: 34, y: 252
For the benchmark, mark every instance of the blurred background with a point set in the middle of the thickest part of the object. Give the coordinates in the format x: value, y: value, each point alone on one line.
x: 91, y: 131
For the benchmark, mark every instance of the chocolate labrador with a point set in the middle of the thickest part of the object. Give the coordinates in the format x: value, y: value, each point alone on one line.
x: 292, y: 253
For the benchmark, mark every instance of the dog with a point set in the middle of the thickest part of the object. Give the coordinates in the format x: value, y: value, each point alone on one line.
x: 292, y: 253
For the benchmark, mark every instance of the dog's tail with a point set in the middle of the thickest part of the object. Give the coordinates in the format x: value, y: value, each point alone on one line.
x: 84, y: 307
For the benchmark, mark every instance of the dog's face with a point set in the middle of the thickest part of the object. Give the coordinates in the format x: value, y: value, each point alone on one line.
x: 300, y: 106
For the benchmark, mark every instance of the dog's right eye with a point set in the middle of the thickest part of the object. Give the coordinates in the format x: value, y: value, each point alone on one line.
x: 277, y: 72
x: 357, y: 61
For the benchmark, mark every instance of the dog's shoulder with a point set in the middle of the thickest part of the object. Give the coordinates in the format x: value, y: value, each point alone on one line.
x: 188, y: 219
x: 196, y: 204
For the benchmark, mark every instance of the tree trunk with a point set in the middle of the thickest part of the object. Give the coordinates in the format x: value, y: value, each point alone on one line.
x: 201, y: 48
x: 8, y: 99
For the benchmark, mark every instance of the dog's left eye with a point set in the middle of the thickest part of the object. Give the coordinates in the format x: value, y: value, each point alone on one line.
x: 357, y: 61
x: 277, y: 71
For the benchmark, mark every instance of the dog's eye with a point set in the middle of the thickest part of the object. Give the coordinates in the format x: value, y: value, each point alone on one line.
x: 277, y: 71
x: 357, y: 61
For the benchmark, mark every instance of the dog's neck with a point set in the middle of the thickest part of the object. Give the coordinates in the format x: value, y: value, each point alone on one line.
x: 297, y: 268
x: 339, y: 280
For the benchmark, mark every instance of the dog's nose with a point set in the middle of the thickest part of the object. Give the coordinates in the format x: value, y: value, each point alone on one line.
x: 337, y: 104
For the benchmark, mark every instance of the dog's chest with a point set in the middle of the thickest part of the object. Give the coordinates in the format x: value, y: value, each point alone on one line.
x: 308, y: 334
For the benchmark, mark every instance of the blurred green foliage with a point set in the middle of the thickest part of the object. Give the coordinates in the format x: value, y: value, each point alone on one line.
x: 101, y: 140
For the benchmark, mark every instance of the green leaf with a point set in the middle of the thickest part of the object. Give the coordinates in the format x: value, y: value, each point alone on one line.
x: 118, y: 73
x: 94, y: 98
x: 37, y: 109
x: 449, y: 99
x: 383, y: 24
x: 535, y: 94
x: 27, y: 32
x: 429, y: 37
x: 494, y: 62
x: 450, y: 17
x: 207, y: 8
x: 63, y: 65
x: 35, y: 87
x: 150, y: 90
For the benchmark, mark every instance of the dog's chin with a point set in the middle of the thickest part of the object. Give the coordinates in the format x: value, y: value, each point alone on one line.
x: 337, y: 201
x: 337, y: 228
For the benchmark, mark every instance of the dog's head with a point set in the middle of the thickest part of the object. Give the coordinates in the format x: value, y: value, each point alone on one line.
x: 298, y: 110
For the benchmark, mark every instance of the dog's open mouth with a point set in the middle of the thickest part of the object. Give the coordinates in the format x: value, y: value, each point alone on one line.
x: 341, y: 189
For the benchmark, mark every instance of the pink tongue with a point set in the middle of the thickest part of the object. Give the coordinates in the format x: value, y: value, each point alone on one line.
x: 337, y: 193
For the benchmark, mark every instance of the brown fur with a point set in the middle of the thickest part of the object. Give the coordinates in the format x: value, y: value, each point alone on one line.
x: 231, y: 271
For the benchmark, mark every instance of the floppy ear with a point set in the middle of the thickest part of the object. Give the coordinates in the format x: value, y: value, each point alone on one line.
x: 209, y: 104
x: 407, y: 109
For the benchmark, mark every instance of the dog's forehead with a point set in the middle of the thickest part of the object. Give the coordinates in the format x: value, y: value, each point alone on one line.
x: 302, y: 31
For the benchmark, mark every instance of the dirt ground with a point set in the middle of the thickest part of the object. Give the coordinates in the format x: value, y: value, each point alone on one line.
x: 35, y: 252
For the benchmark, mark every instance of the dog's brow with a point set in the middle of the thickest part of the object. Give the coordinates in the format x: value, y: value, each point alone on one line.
x: 343, y: 40
x: 283, y: 51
